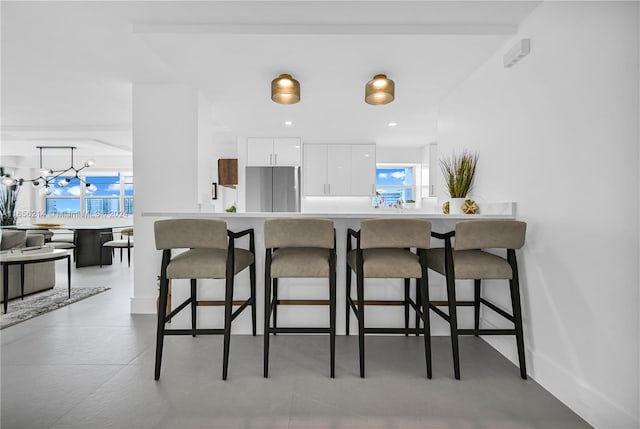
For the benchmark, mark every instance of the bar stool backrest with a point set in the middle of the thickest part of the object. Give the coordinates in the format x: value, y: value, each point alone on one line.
x: 298, y: 232
x: 395, y: 233
x: 191, y: 234
x: 490, y: 233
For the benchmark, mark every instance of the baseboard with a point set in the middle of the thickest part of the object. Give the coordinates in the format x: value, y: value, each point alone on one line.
x: 571, y: 389
x: 143, y: 304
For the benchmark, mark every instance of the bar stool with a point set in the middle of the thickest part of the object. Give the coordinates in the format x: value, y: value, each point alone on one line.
x: 298, y: 248
x: 210, y: 256
x: 465, y: 260
x: 383, y: 251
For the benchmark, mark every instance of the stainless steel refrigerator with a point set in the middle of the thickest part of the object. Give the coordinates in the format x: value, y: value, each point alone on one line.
x: 273, y: 189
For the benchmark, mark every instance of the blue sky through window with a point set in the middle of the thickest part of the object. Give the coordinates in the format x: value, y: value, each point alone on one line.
x: 394, y: 176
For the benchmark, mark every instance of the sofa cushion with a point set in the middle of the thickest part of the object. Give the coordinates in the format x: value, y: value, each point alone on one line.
x: 13, y: 240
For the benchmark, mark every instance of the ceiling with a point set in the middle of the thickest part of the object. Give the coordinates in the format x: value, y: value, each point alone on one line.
x: 68, y: 67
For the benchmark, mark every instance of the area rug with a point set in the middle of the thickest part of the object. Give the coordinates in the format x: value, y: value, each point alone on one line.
x: 44, y: 302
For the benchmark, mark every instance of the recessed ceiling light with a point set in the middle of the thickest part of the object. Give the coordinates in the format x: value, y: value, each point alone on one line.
x: 288, y: 123
x: 393, y: 124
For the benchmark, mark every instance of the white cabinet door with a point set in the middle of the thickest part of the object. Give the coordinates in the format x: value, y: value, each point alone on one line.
x: 259, y: 152
x: 315, y: 169
x: 434, y: 168
x: 363, y: 169
x: 339, y: 169
x: 286, y: 152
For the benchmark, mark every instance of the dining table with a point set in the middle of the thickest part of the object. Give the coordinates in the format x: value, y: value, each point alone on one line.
x: 88, y: 240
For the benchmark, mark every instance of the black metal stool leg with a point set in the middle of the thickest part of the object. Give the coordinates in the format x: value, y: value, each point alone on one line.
x: 267, y: 311
x: 228, y: 303
x: 476, y: 304
x: 252, y: 281
x: 275, y: 305
x: 332, y: 311
x: 348, y: 298
x: 194, y: 305
x: 514, y: 285
x: 162, y: 312
x: 360, y: 291
x: 407, y: 289
x: 423, y: 284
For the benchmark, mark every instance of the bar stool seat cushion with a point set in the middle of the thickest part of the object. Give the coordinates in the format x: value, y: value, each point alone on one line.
x: 388, y: 263
x: 206, y: 263
x: 295, y: 262
x: 471, y: 264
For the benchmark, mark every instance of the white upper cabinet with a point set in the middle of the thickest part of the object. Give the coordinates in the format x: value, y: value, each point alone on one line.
x: 272, y: 152
x: 314, y: 169
x: 339, y: 169
x: 286, y: 151
x: 363, y: 169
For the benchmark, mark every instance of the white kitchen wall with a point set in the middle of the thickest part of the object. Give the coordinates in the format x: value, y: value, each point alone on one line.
x: 558, y: 133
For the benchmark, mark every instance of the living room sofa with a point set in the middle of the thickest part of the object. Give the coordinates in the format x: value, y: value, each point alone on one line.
x: 37, y: 277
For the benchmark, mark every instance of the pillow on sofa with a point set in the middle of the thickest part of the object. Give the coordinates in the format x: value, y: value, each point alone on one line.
x: 13, y: 240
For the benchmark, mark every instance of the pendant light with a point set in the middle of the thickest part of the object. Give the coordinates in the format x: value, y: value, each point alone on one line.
x: 285, y: 89
x: 379, y: 90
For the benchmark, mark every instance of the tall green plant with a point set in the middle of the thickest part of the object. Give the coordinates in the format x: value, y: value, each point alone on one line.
x: 8, y: 198
x: 459, y: 170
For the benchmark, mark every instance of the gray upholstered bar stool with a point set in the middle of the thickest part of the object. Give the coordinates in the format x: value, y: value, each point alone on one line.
x: 298, y: 248
x: 212, y: 255
x: 383, y: 250
x: 465, y: 260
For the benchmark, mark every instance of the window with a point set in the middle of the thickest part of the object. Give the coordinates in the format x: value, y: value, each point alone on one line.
x: 103, y: 196
x: 64, y: 199
x: 108, y: 194
x: 394, y: 182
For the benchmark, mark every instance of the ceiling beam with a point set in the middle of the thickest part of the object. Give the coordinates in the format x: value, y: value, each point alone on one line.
x: 327, y: 29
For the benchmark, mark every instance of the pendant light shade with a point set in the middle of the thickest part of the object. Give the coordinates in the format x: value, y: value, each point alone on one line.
x: 379, y: 90
x: 285, y: 89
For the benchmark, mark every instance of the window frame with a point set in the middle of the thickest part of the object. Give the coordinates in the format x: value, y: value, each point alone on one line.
x: 84, y: 196
x: 400, y: 165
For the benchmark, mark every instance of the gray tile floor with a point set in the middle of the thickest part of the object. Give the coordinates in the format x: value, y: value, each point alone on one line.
x: 90, y: 366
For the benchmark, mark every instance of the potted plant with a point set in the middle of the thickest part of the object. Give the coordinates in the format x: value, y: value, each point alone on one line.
x: 8, y: 198
x: 411, y: 204
x: 459, y: 170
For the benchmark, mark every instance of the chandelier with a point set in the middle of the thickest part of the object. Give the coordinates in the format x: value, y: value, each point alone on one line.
x: 48, y: 176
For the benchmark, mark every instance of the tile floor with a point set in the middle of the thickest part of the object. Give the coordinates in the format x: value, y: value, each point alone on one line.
x: 90, y: 366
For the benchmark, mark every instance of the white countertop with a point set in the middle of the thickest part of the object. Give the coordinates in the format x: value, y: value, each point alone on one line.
x: 407, y: 213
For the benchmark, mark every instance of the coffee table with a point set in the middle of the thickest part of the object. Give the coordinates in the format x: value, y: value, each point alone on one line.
x: 23, y: 257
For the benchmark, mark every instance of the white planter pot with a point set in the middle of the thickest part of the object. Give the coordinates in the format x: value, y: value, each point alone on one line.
x: 455, y: 205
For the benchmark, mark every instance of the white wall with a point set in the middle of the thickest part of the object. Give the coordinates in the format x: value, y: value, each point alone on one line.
x: 165, y: 151
x: 558, y: 133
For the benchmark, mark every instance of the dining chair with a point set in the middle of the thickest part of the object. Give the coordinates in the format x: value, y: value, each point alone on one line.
x: 124, y: 242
